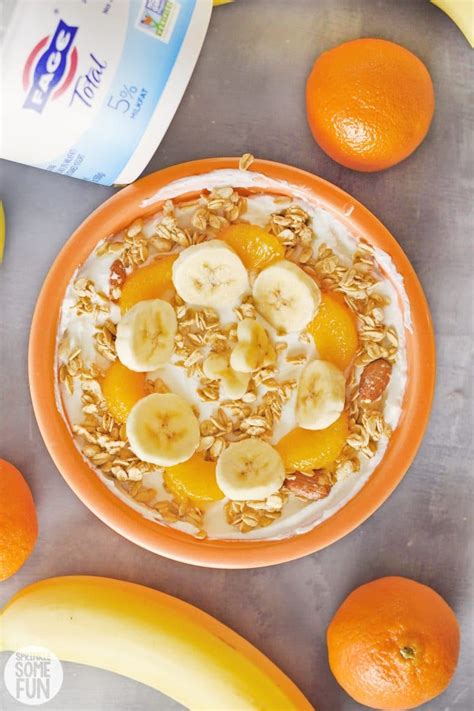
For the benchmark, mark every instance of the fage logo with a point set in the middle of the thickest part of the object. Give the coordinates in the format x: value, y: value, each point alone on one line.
x: 51, y: 72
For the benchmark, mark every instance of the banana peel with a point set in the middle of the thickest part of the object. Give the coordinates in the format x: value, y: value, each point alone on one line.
x: 462, y: 13
x: 221, y: 2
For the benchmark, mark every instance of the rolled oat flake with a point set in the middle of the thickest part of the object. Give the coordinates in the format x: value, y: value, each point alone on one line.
x: 89, y: 87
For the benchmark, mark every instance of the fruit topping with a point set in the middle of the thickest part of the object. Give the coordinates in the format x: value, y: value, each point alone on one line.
x: 286, y: 296
x: 210, y: 274
x: 256, y: 248
x: 334, y: 330
x: 122, y: 388
x: 194, y: 479
x: 305, y: 450
x: 250, y: 470
x: 321, y: 395
x: 163, y: 429
x: 145, y: 335
x: 217, y: 367
x: 253, y: 350
x: 150, y: 282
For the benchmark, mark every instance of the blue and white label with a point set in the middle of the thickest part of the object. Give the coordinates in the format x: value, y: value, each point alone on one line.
x: 94, y: 93
x: 50, y: 67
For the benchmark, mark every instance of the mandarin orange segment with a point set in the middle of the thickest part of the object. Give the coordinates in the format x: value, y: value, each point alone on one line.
x: 122, y: 388
x: 334, y: 330
x: 150, y: 282
x: 256, y: 248
x: 304, y: 450
x: 194, y: 479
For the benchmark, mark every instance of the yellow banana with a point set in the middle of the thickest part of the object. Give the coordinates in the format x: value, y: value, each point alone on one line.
x: 150, y: 637
x: 462, y: 13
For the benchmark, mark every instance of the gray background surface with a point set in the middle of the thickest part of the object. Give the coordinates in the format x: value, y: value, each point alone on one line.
x: 247, y: 94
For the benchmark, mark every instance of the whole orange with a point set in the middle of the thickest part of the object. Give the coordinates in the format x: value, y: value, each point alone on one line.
x: 393, y: 644
x: 369, y: 103
x: 18, y: 523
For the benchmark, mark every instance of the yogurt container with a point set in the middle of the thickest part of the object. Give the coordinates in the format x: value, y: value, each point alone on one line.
x: 89, y: 87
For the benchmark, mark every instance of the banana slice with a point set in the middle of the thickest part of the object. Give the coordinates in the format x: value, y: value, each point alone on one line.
x: 286, y: 296
x: 162, y: 429
x: 250, y: 470
x: 321, y: 395
x: 210, y: 274
x: 217, y: 367
x: 145, y: 335
x: 253, y: 350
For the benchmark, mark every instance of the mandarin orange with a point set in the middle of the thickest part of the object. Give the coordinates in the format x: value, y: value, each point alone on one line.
x: 393, y: 644
x: 194, y: 479
x: 150, y: 282
x: 369, y: 103
x: 18, y: 522
x: 122, y: 388
x: 305, y: 450
x: 256, y: 247
x: 334, y: 330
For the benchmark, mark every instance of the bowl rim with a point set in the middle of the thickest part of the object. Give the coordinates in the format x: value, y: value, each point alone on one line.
x: 114, y: 214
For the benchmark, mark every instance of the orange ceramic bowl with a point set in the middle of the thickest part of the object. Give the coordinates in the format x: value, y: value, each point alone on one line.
x: 113, y: 216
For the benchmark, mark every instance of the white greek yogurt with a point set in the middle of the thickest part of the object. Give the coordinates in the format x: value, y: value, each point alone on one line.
x: 298, y: 516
